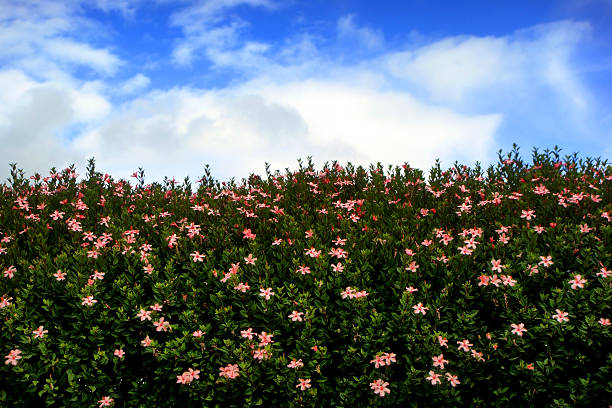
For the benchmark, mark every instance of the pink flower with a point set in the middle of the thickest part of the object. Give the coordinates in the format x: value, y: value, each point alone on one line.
x: 144, y: 315
x: 197, y: 257
x: 439, y: 361
x: 604, y: 273
x: 518, y: 329
x: 338, y: 267
x: 230, y: 371
x: 453, y: 379
x: 389, y: 358
x: 88, y: 301
x: 161, y: 325
x: 378, y: 361
x: 303, y: 384
x: 443, y: 341
x: 561, y: 316
x: 266, y: 293
x: 265, y: 339
x: 250, y: 260
x: 198, y: 333
x: 12, y: 357
x: 295, y: 364
x: 105, y: 401
x: 419, y: 308
x: 434, y: 378
x: 146, y: 342
x: 119, y: 353
x: 59, y: 275
x: 528, y: 214
x: 464, y: 345
x: 39, y: 333
x: 497, y: 266
x: 247, y: 234
x: 242, y: 287
x: 577, y: 282
x: 380, y: 387
x: 604, y: 322
x: 247, y: 333
x: 546, y: 260
x: 296, y: 316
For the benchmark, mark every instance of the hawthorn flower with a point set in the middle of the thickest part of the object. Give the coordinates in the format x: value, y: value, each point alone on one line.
x: 266, y: 293
x: 518, y: 329
x: 265, y: 339
x: 439, y: 361
x: 604, y: 273
x: 295, y: 363
x: 247, y: 333
x: 230, y: 371
x: 242, y: 287
x: 528, y: 214
x: 303, y: 384
x: 452, y: 379
x: 188, y: 376
x: 546, y: 260
x: 250, y: 260
x: 464, y: 345
x: 39, y: 333
x: 577, y: 282
x: 338, y: 267
x: 434, y: 378
x: 161, y: 325
x: 380, y: 387
x: 444, y: 342
x: 144, y: 315
x: 105, y: 402
x: 12, y: 357
x: 389, y: 358
x: 561, y: 316
x: 419, y: 308
x: 197, y: 257
x: 378, y: 361
x: 88, y: 301
x: 146, y: 342
x: 59, y: 275
x: 496, y: 265
x: 296, y: 316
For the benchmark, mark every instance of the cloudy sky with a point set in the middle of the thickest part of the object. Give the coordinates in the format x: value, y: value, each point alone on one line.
x: 170, y: 85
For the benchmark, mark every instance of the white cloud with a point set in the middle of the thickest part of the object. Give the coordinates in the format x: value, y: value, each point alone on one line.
x: 136, y: 83
x: 365, y: 36
x: 459, y: 69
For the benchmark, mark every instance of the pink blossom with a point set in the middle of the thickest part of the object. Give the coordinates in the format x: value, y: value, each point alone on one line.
x: 296, y: 316
x: 105, y: 401
x: 439, y: 361
x: 119, y: 353
x: 577, y: 282
x: 380, y: 387
x: 39, y: 333
x: 12, y: 357
x: 303, y: 384
x: 561, y: 316
x: 518, y: 329
x: 434, y: 378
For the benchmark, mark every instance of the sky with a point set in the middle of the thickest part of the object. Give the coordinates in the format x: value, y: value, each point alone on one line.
x: 172, y: 85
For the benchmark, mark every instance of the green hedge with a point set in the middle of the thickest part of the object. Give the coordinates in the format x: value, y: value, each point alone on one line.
x: 317, y: 288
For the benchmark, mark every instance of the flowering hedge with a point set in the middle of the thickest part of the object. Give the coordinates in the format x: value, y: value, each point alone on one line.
x: 339, y: 287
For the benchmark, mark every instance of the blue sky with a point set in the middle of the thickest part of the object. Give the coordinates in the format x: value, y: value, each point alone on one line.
x: 172, y: 85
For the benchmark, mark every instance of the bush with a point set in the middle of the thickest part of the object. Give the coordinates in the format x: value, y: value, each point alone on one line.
x: 339, y: 287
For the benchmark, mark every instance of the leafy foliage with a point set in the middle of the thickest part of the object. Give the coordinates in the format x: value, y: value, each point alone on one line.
x: 339, y: 287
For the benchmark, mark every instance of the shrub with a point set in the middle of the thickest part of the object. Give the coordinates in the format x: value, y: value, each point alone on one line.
x: 339, y: 287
